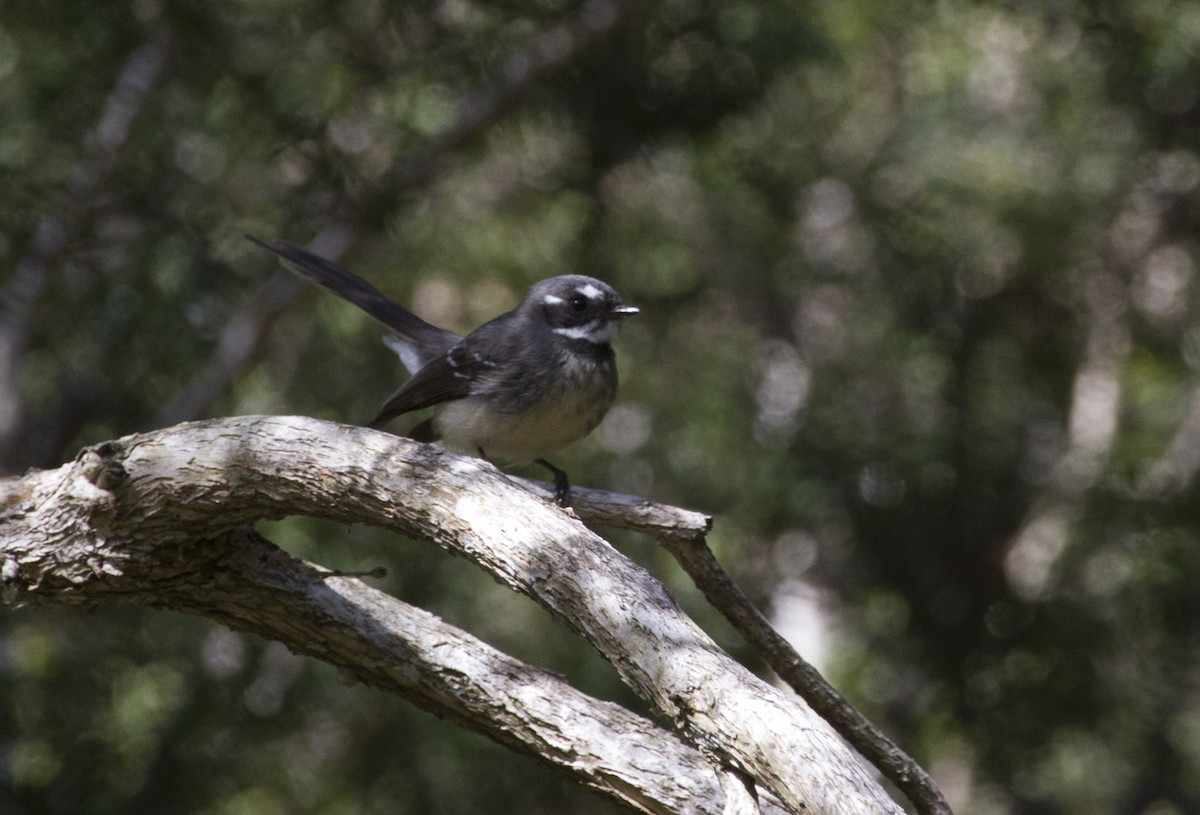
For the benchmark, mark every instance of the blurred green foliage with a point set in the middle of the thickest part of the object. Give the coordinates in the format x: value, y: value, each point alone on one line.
x: 918, y: 286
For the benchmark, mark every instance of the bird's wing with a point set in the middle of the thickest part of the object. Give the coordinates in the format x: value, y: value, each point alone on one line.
x: 451, y: 376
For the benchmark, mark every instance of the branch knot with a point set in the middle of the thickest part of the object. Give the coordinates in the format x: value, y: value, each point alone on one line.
x: 100, y: 465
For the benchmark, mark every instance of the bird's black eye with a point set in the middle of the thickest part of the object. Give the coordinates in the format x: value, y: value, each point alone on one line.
x: 579, y: 302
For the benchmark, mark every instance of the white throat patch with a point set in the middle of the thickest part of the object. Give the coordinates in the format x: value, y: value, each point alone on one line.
x: 597, y: 331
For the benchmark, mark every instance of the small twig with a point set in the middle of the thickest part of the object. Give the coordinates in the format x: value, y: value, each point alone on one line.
x: 698, y: 561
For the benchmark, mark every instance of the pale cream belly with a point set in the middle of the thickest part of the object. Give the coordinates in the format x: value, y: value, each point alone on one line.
x: 519, y: 438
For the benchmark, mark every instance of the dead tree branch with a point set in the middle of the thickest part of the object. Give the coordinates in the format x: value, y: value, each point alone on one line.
x: 162, y: 499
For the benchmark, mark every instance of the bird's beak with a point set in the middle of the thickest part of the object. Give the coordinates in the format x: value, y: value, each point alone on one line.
x: 624, y: 311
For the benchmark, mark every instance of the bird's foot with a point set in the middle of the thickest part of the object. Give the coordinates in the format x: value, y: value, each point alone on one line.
x: 562, y: 486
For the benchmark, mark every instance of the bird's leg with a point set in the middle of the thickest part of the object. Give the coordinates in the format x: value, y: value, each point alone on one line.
x: 562, y: 487
x: 423, y: 431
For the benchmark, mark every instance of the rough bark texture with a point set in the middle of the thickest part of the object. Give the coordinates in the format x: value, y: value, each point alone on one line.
x: 158, y: 519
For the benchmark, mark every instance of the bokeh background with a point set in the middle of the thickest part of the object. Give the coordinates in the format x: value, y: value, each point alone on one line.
x: 919, y: 305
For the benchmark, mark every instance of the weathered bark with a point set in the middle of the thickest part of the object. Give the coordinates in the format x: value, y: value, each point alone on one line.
x: 157, y: 519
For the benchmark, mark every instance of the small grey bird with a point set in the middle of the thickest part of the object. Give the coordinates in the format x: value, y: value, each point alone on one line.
x: 519, y: 387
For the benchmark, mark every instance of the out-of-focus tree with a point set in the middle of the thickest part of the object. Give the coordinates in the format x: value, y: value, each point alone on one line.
x: 918, y: 290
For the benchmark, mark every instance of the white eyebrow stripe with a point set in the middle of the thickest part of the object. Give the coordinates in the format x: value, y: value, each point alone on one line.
x: 552, y: 299
x: 589, y: 291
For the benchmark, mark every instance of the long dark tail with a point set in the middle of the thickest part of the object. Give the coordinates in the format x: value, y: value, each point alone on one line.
x: 429, y: 340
